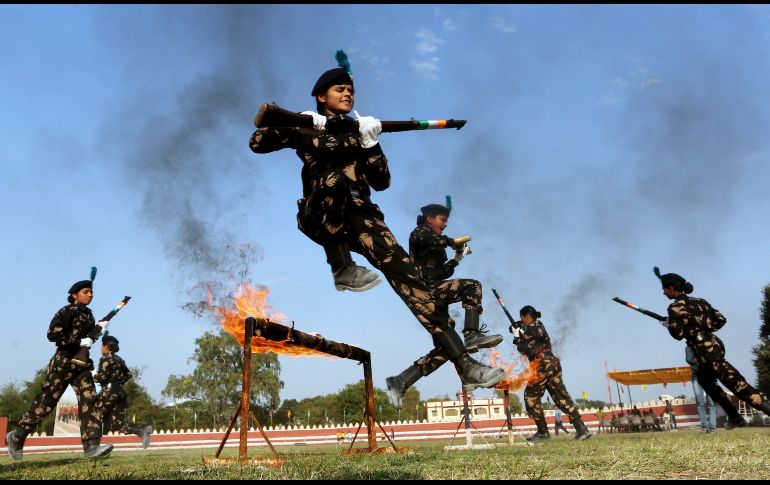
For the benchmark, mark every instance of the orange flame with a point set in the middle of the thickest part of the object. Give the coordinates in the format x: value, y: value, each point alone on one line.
x: 515, y: 381
x: 252, y: 302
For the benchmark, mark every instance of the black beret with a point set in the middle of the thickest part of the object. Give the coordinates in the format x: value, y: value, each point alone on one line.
x: 109, y: 338
x: 331, y: 78
x: 77, y: 287
x: 435, y: 210
x: 672, y: 280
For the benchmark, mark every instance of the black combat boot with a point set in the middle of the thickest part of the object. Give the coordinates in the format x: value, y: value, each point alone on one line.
x: 581, y: 430
x: 542, y: 433
x: 92, y: 448
x: 472, y: 372
x: 348, y: 275
x: 397, y: 385
x: 15, y: 441
x: 474, y: 337
x: 142, y: 432
x: 735, y: 421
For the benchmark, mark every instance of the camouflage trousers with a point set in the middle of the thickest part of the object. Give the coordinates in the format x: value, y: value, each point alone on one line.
x: 369, y: 236
x: 62, y: 373
x: 465, y: 290
x: 111, y: 402
x: 709, y: 373
x: 548, y: 378
x: 447, y: 292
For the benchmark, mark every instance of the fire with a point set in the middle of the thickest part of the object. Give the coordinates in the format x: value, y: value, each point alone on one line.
x: 252, y: 302
x: 515, y: 382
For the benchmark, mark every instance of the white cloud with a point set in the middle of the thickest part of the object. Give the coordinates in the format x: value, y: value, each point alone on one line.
x: 503, y: 25
x: 638, y: 78
x: 426, y: 69
x: 427, y: 41
x: 449, y: 25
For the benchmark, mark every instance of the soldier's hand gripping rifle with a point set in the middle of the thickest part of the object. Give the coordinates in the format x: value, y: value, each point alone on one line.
x: 641, y: 310
x: 81, y: 357
x: 272, y: 116
x: 518, y: 326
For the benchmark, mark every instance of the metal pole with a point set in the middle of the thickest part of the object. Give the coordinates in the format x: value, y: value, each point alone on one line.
x: 467, y: 419
x: 508, y: 418
x: 243, y: 450
x: 369, y: 390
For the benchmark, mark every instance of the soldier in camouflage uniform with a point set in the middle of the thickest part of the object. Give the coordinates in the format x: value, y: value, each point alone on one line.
x: 427, y: 247
x: 330, y: 174
x: 68, y: 329
x: 695, y: 320
x: 342, y: 162
x: 112, y: 375
x: 533, y: 341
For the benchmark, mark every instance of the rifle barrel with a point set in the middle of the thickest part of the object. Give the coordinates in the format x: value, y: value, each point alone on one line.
x: 641, y: 310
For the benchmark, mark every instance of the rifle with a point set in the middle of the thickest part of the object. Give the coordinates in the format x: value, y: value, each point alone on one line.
x: 514, y: 323
x: 273, y: 116
x: 81, y: 357
x: 640, y: 309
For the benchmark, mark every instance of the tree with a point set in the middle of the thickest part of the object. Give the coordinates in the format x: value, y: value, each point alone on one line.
x: 15, y: 401
x: 762, y: 350
x: 515, y: 401
x: 217, y: 379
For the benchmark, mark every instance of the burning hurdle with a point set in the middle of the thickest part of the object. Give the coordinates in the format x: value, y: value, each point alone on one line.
x: 288, y: 338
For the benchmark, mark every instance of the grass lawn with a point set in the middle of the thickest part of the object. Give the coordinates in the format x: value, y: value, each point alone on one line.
x: 737, y: 454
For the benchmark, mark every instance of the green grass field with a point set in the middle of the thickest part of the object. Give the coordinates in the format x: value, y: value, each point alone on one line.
x: 738, y: 454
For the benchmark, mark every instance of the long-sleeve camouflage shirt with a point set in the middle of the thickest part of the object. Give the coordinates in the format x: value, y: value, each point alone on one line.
x: 428, y: 251
x: 534, y: 341
x: 694, y: 320
x: 71, y: 324
x: 688, y: 317
x: 329, y: 152
x: 112, y: 370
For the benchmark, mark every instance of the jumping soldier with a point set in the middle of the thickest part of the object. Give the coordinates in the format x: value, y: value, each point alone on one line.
x: 68, y: 330
x: 695, y: 321
x: 427, y: 247
x: 112, y: 375
x: 533, y: 341
x: 343, y: 161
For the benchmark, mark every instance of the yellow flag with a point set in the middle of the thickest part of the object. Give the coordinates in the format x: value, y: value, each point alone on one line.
x: 644, y: 387
x: 585, y: 395
x: 133, y: 419
x: 289, y: 413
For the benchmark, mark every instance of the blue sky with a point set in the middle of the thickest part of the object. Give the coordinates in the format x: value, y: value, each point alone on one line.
x: 601, y: 141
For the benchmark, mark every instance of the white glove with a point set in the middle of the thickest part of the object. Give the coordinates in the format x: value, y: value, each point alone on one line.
x: 665, y: 323
x: 370, y: 128
x: 461, y: 253
x: 86, y: 342
x: 319, y: 121
x: 103, y: 324
x: 515, y: 331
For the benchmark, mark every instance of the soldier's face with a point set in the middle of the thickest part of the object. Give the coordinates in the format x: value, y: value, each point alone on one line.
x: 84, y: 296
x: 105, y: 349
x: 338, y: 99
x: 527, y: 319
x: 670, y: 292
x: 437, y: 224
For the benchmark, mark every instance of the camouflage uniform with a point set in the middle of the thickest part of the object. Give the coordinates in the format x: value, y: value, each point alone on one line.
x: 113, y: 375
x: 694, y: 320
x: 428, y: 250
x: 337, y: 175
x: 535, y: 344
x: 70, y: 324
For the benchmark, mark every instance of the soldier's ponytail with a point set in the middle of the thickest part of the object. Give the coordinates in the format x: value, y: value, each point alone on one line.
x: 687, y: 288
